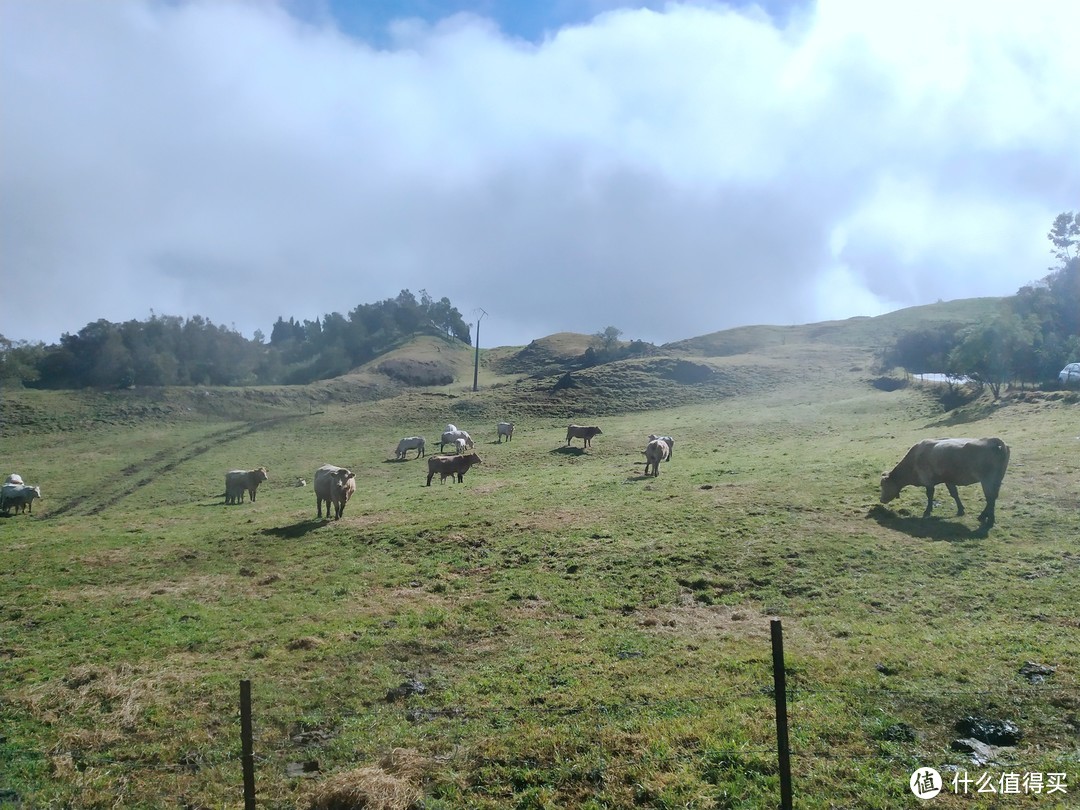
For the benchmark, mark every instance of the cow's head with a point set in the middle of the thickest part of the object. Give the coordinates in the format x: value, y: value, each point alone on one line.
x: 261, y: 474
x: 889, y: 488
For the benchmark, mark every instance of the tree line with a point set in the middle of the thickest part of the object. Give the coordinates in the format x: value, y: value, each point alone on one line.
x: 170, y: 350
x: 1036, y: 332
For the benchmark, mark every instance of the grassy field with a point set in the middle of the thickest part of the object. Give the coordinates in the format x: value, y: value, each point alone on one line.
x: 558, y: 630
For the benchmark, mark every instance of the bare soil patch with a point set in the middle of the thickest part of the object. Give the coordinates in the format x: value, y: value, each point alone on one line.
x: 690, y: 617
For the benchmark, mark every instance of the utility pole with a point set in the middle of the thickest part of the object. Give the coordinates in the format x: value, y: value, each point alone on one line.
x: 476, y: 361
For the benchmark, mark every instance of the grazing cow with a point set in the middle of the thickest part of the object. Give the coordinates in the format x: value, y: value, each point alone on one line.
x: 335, y: 485
x: 505, y: 429
x: 656, y: 451
x: 670, y: 444
x: 460, y: 446
x: 952, y: 462
x: 451, y: 437
x: 580, y: 432
x: 450, y: 466
x: 14, y: 478
x: 18, y: 496
x: 238, y: 482
x: 411, y: 443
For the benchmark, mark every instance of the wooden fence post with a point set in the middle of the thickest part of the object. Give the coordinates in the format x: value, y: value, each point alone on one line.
x: 248, y: 757
x: 780, y: 689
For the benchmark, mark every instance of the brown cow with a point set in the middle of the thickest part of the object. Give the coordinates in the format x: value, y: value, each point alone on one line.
x: 450, y: 466
x: 335, y: 485
x: 952, y: 462
x: 237, y: 482
x: 580, y: 432
x: 656, y: 451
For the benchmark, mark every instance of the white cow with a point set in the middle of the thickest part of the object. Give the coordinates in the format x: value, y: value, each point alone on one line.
x: 18, y: 496
x: 656, y: 451
x: 451, y: 437
x: 505, y: 429
x: 667, y: 440
x: 411, y: 443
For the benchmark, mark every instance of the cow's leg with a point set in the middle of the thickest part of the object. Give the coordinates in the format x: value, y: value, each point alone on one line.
x: 318, y: 507
x: 990, y: 491
x: 987, y: 514
x: 929, y: 501
x: 430, y: 475
x: 956, y: 497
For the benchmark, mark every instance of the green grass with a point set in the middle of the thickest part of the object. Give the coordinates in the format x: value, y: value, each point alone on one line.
x: 586, y: 637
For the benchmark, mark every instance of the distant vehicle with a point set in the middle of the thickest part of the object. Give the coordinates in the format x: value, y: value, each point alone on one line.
x: 1070, y: 375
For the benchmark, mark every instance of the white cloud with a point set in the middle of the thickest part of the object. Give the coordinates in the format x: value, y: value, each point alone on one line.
x: 227, y: 160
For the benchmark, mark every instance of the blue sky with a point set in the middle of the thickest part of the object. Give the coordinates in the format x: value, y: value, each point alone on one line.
x: 669, y: 170
x: 369, y: 20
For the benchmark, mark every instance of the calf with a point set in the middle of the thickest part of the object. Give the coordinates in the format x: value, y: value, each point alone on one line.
x: 952, y: 462
x: 505, y: 429
x: 238, y: 482
x: 450, y: 466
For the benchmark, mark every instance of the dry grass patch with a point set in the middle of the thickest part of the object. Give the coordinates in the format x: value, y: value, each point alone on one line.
x: 117, y: 695
x: 206, y: 589
x: 394, y: 784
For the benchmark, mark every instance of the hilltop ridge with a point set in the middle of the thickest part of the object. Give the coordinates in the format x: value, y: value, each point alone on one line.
x: 552, y: 376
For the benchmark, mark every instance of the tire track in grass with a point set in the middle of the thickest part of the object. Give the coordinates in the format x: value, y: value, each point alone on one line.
x: 158, y: 464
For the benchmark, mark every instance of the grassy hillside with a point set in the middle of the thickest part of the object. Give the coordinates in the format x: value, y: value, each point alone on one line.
x: 556, y: 631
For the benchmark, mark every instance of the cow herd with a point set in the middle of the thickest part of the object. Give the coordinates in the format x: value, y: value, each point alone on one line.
x: 952, y: 462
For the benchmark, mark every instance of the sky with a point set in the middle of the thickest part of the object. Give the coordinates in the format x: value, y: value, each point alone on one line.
x: 668, y: 168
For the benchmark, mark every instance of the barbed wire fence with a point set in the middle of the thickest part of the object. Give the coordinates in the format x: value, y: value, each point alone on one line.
x: 252, y: 754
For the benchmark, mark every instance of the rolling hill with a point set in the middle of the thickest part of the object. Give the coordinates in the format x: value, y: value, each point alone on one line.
x: 558, y: 630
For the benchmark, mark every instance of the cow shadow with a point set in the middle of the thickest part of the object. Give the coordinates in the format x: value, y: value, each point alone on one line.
x: 931, y: 528
x: 565, y: 450
x: 295, y: 530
